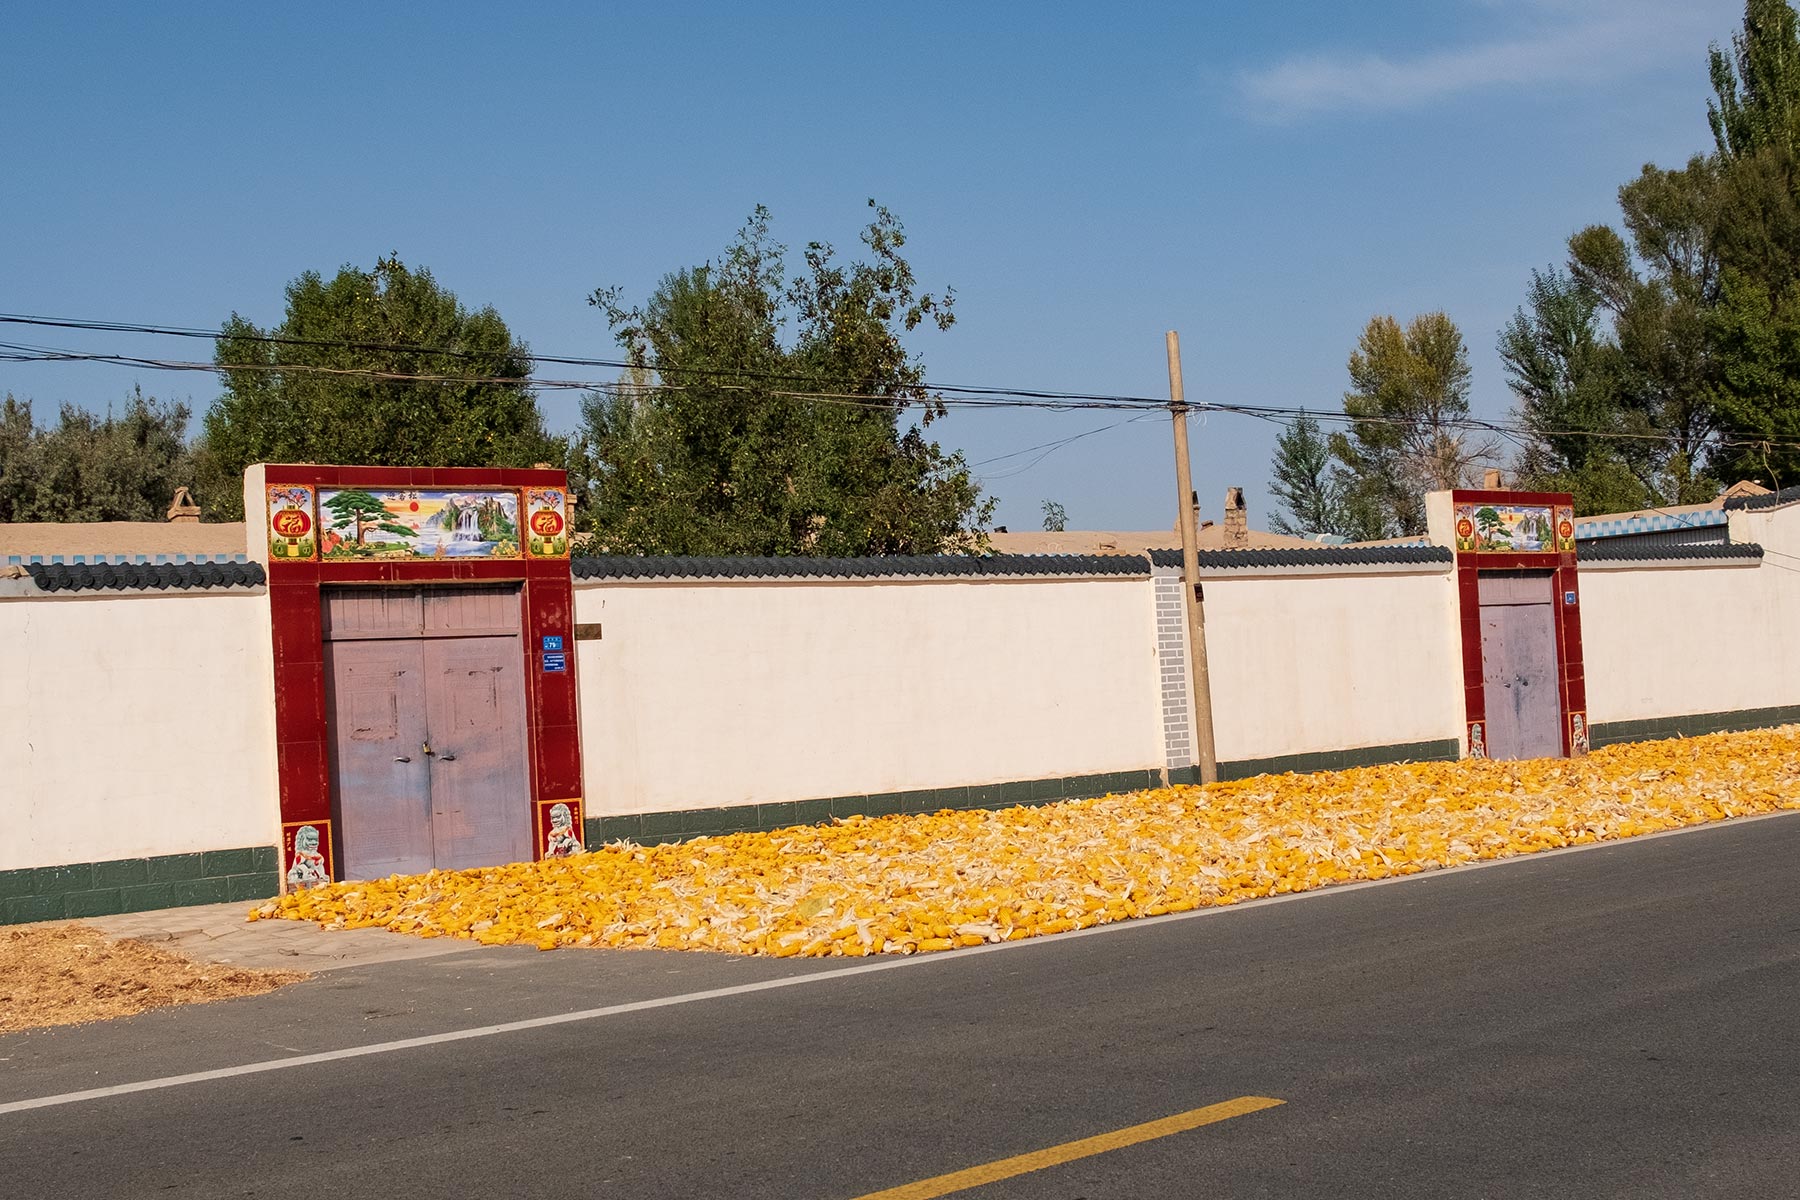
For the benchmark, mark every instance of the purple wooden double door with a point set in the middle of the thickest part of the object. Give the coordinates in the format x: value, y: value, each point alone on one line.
x: 426, y: 695
x: 1518, y: 665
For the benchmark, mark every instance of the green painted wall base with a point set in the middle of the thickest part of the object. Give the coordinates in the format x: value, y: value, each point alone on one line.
x: 1608, y: 733
x: 650, y: 829
x: 100, y: 889
x: 1444, y: 750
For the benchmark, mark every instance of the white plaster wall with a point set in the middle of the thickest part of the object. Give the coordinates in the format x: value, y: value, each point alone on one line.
x: 1682, y: 640
x: 1776, y: 530
x: 1311, y: 663
x: 709, y: 694
x: 134, y: 725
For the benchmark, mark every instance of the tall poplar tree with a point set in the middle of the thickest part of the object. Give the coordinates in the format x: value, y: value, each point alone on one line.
x: 1407, y: 403
x: 1755, y: 324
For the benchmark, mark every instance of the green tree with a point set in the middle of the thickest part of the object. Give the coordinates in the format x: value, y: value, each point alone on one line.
x: 124, y: 466
x: 1756, y: 88
x: 1687, y: 375
x: 1658, y: 289
x: 1754, y: 325
x: 1056, y: 519
x: 1407, y: 403
x: 1568, y: 377
x: 18, y: 475
x: 709, y: 450
x: 1307, y: 484
x: 308, y: 389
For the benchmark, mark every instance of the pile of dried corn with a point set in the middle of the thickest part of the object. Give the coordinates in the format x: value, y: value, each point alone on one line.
x: 909, y: 883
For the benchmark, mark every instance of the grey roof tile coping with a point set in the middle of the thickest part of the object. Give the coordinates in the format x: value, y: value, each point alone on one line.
x: 1606, y: 552
x: 1786, y: 495
x: 1324, y: 556
x: 918, y: 566
x: 192, y: 576
x: 140, y: 576
x: 626, y: 566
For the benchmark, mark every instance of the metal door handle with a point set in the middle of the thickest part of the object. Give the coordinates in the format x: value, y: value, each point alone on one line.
x: 447, y: 758
x: 404, y: 758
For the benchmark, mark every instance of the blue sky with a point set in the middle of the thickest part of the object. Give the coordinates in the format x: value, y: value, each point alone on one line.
x: 1262, y: 178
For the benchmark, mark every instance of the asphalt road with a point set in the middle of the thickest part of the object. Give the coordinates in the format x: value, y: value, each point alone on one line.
x: 1622, y: 1021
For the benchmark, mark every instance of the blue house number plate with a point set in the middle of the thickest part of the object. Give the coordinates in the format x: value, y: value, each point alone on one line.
x: 552, y: 642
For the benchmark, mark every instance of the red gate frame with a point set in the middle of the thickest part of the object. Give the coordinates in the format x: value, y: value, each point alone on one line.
x: 1571, y: 681
x: 302, y: 751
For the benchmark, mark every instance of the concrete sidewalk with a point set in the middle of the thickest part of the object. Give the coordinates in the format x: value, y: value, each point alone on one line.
x: 220, y: 933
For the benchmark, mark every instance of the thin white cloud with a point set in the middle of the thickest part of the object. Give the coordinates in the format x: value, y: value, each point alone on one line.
x: 1562, y: 44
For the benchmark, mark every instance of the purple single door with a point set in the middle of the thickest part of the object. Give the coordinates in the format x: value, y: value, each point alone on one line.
x: 1518, y: 666
x: 426, y: 699
x: 375, y: 691
x: 475, y: 712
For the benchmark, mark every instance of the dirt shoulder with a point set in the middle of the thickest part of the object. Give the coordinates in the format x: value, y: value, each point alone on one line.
x: 68, y: 974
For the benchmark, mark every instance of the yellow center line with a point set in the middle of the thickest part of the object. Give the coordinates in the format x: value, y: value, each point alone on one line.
x: 1037, y: 1160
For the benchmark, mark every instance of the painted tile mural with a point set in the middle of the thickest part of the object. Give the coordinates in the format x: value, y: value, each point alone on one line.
x: 292, y: 536
x: 358, y: 524
x: 1513, y: 529
x: 547, y: 522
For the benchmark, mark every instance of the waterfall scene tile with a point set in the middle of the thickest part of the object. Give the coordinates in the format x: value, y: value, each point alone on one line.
x: 359, y: 524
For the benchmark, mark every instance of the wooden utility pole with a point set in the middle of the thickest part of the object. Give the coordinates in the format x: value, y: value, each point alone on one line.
x: 1199, y: 682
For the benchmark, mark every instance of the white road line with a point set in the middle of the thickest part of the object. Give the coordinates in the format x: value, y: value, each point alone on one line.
x: 821, y: 976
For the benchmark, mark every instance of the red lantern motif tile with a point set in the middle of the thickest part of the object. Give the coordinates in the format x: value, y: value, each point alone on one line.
x: 1565, y: 528
x: 547, y: 522
x: 293, y: 524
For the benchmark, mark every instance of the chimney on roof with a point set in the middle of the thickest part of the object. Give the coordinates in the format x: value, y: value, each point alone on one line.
x: 1490, y: 481
x: 1237, y: 518
x: 1194, y: 503
x: 182, y: 508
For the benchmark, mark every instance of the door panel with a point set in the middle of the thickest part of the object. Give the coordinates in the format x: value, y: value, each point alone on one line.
x: 1516, y: 587
x: 1496, y: 680
x: 1539, y: 706
x: 475, y: 714
x: 471, y: 611
x: 376, y: 698
x: 372, y: 613
x: 1518, y: 660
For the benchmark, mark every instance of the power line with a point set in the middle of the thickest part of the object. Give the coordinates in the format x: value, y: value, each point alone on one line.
x: 1049, y: 448
x: 959, y: 395
x: 560, y: 360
